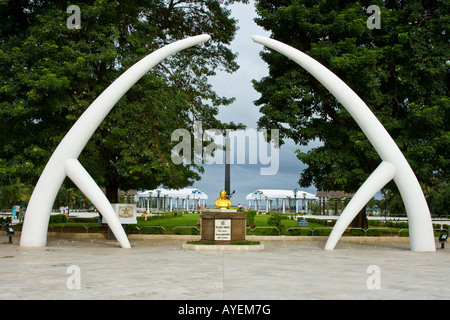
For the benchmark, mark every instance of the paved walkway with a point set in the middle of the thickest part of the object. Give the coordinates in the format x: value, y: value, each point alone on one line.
x: 161, y: 269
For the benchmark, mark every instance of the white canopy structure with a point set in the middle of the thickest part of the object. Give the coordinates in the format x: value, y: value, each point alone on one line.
x: 162, y: 196
x: 288, y: 198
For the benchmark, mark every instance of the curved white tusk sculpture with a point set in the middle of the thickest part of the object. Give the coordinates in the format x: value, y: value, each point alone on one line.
x: 394, y: 165
x: 64, y: 161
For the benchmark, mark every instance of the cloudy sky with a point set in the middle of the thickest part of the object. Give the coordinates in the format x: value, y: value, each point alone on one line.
x: 246, y: 178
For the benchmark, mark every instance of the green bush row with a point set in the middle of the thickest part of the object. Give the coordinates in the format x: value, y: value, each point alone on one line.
x: 61, y: 218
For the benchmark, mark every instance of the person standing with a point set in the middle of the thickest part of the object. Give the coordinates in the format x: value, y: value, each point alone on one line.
x: 15, y: 211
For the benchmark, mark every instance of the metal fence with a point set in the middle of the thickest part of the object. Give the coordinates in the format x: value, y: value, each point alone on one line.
x: 330, y: 228
x: 286, y: 232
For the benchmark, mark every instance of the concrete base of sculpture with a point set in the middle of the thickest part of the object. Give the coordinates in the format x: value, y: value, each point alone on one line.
x: 223, y: 226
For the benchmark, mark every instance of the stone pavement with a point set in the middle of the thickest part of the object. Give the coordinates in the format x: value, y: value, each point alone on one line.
x: 161, y: 269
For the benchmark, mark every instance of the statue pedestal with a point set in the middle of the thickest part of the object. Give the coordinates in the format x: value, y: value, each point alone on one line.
x: 223, y: 226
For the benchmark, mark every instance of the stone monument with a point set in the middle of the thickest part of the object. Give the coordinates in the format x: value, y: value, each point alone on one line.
x: 223, y: 225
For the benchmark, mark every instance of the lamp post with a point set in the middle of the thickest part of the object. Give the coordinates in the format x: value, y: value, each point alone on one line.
x: 260, y: 201
x: 260, y: 195
x: 193, y: 206
x: 289, y: 203
x: 149, y: 207
x: 158, y: 192
x: 442, y: 239
x: 304, y: 200
x: 68, y: 201
x: 295, y: 199
x: 267, y: 204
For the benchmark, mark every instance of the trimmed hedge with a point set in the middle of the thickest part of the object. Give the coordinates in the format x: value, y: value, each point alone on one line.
x: 58, y: 218
x: 61, y: 218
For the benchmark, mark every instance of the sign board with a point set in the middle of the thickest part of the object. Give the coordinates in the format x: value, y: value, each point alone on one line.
x: 222, y: 229
x: 125, y: 212
x: 302, y: 222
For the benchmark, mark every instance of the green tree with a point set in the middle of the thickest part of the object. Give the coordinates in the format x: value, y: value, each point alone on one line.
x: 439, y: 200
x: 14, y: 193
x: 49, y: 74
x: 399, y: 70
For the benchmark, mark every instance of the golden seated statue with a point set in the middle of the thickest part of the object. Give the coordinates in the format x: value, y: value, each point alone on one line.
x: 222, y: 202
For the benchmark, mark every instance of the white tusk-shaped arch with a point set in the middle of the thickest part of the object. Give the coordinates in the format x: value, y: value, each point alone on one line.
x: 394, y: 164
x: 63, y: 161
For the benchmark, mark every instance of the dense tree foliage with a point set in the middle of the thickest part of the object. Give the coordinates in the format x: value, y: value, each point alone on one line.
x: 400, y: 70
x: 49, y: 74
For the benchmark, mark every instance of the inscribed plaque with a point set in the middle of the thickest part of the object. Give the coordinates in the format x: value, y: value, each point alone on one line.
x: 222, y: 229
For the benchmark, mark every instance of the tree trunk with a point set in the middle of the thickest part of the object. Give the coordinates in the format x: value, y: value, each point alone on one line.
x: 112, y: 191
x: 360, y: 220
x: 111, y: 175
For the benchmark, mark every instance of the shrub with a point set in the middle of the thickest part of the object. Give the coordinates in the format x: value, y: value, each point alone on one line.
x: 356, y: 232
x: 298, y: 232
x: 5, y: 221
x: 251, y: 218
x: 373, y: 232
x: 58, y: 218
x: 84, y: 220
x: 275, y: 221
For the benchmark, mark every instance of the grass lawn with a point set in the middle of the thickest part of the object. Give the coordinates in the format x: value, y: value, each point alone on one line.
x: 186, y: 223
x: 191, y: 219
x: 170, y: 222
